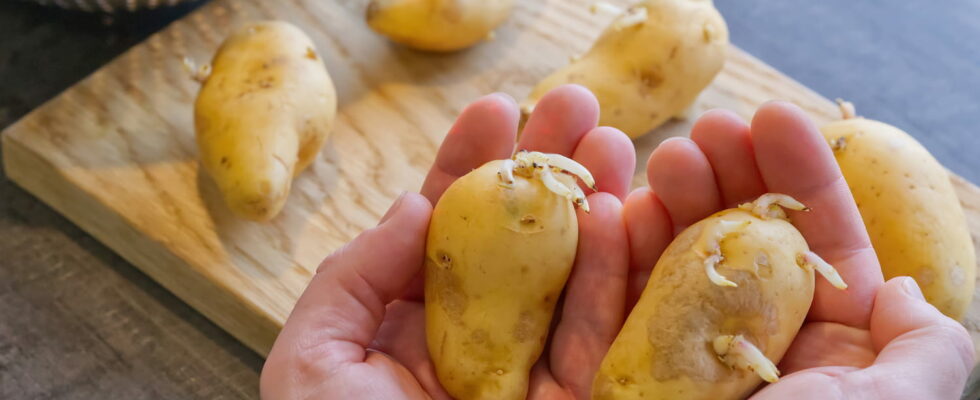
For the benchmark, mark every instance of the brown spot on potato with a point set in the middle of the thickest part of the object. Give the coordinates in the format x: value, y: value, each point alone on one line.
x: 763, y: 268
x: 650, y: 78
x: 445, y: 261
x: 673, y: 52
x: 528, y: 219
x: 310, y: 53
x: 838, y: 144
x: 479, y: 336
x: 452, y: 12
x: 448, y: 287
x: 695, y: 313
x: 956, y: 276
x: 524, y: 327
x: 707, y: 32
x: 926, y: 275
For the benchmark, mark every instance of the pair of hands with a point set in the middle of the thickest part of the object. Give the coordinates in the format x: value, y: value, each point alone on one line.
x: 358, y: 331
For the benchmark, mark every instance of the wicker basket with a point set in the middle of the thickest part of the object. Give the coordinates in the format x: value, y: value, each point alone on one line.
x: 109, y: 6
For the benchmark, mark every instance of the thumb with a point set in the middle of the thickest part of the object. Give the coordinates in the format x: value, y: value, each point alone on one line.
x: 343, y: 306
x: 922, y: 351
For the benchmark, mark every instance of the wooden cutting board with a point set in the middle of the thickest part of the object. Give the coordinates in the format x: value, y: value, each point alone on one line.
x: 116, y: 154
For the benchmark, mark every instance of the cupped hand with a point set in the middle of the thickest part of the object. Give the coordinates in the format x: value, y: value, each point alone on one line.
x: 874, y: 340
x: 358, y: 330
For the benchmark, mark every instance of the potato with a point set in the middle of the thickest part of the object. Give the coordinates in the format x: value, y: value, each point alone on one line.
x: 262, y: 115
x: 912, y: 214
x: 727, y: 296
x: 500, y: 248
x: 649, y: 65
x: 437, y: 25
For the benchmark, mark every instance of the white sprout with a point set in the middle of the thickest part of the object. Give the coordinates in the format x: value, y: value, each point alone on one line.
x: 813, y: 260
x: 580, y: 198
x: 602, y: 7
x: 552, y: 183
x: 527, y: 107
x: 570, y: 166
x: 736, y: 352
x: 506, y: 173
x: 765, y: 206
x: 199, y: 74
x: 847, y: 110
x: 709, y: 268
x: 632, y: 17
x: 544, y: 166
x: 708, y: 246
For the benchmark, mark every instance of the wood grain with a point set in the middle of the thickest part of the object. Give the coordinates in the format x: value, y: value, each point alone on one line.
x: 116, y: 155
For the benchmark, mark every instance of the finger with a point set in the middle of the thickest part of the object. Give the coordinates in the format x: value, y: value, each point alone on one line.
x: 402, y: 336
x: 724, y: 138
x: 924, y: 354
x: 543, y: 386
x: 901, y: 312
x: 339, y: 313
x: 559, y: 120
x: 795, y: 160
x: 682, y: 178
x: 593, y: 310
x: 609, y: 155
x: 650, y: 231
x: 484, y: 131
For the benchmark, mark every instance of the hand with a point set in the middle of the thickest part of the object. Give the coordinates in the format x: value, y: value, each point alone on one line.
x: 358, y: 331
x: 872, y: 341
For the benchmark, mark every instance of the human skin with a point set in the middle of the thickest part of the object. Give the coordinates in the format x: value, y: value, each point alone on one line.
x: 358, y: 329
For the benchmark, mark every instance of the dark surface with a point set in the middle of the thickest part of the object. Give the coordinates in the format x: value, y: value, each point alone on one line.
x: 76, y: 321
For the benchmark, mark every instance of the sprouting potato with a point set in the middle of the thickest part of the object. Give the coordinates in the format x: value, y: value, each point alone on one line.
x: 262, y: 115
x: 437, y: 25
x: 649, y: 65
x: 501, y: 243
x: 909, y: 208
x: 721, y: 308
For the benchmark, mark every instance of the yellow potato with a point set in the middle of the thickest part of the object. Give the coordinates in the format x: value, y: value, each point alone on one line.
x: 497, y: 258
x: 649, y: 65
x: 437, y: 25
x: 693, y: 335
x: 909, y: 207
x: 262, y: 115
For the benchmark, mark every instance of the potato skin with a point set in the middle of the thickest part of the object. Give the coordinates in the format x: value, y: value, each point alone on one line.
x: 664, y: 349
x: 910, y: 210
x: 262, y: 115
x: 645, y: 74
x: 437, y: 25
x: 496, y: 262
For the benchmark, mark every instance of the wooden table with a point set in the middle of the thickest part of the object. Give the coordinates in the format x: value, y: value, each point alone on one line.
x: 76, y: 321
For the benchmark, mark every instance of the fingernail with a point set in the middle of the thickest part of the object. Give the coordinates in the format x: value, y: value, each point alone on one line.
x: 912, y: 288
x: 394, y: 208
x: 671, y: 139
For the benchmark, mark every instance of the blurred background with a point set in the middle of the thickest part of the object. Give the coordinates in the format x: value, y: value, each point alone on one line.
x: 914, y: 64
